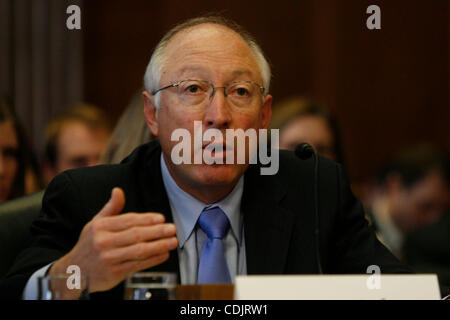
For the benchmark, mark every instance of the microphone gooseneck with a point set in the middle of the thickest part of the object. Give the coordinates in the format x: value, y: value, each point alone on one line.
x: 305, y: 151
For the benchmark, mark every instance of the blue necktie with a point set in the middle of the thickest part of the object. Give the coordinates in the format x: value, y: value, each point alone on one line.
x: 212, y: 267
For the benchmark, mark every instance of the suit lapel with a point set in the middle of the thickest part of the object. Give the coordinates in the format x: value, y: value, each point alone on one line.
x: 267, y: 225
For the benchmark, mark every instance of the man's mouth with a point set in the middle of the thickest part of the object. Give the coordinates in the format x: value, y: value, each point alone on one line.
x: 217, y: 149
x: 217, y: 145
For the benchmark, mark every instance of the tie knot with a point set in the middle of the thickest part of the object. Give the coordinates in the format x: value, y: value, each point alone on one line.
x: 214, y: 222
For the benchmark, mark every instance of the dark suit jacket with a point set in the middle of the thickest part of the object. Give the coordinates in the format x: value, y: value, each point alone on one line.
x: 278, y: 218
x: 16, y: 217
x: 427, y: 249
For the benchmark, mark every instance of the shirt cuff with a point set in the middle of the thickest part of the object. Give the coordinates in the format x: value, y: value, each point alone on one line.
x: 31, y: 289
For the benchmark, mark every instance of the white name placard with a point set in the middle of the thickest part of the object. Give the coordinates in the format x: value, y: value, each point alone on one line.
x: 338, y: 287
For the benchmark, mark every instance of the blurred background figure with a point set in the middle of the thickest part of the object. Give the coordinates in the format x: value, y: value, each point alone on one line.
x: 19, y: 174
x: 130, y: 132
x: 411, y: 192
x: 76, y: 138
x: 300, y: 120
x: 427, y: 250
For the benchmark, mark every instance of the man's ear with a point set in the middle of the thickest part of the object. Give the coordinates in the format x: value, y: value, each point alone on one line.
x: 150, y: 112
x: 266, y: 111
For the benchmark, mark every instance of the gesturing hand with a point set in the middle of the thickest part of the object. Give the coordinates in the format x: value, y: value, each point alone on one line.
x: 111, y: 246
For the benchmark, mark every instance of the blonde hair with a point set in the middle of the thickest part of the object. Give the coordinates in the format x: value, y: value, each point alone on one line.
x: 289, y: 109
x: 130, y: 132
x: 296, y: 106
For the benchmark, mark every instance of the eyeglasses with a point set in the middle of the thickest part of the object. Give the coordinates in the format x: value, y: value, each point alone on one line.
x: 195, y: 92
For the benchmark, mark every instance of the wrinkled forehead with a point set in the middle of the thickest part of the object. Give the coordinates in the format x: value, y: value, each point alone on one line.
x: 210, y: 46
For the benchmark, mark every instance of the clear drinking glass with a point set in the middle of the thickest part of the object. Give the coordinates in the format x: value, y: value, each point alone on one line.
x: 63, y: 287
x: 151, y: 286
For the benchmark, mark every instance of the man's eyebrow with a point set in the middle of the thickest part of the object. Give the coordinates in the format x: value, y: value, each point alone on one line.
x: 191, y: 69
x: 238, y: 73
x: 234, y: 74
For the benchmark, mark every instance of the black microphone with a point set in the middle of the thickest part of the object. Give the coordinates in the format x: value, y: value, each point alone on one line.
x: 305, y: 151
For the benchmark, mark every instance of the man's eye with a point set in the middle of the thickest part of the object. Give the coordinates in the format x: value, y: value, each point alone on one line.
x: 193, y: 89
x: 242, y: 92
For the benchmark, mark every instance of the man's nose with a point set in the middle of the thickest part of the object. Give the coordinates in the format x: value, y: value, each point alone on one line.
x: 218, y: 113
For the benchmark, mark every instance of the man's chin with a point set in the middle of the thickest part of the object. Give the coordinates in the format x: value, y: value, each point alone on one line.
x: 220, y: 174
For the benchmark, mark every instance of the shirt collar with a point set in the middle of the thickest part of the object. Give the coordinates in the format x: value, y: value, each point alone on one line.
x: 389, y: 232
x: 186, y: 209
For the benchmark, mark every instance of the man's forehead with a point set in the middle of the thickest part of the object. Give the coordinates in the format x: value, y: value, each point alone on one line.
x: 214, y: 41
x: 205, y: 30
x: 187, y: 69
x: 207, y: 36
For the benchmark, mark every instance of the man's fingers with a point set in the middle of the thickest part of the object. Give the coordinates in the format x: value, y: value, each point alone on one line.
x: 129, y: 220
x: 142, y: 234
x: 140, y: 251
x: 114, y: 205
x: 130, y: 267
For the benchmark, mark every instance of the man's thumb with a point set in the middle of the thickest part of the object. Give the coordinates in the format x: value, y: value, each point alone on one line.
x: 114, y: 205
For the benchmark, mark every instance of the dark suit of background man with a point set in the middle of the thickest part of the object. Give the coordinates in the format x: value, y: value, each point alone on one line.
x: 80, y: 222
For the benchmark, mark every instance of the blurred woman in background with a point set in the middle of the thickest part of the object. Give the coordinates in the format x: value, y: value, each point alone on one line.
x: 19, y: 173
x: 300, y: 120
x: 130, y: 132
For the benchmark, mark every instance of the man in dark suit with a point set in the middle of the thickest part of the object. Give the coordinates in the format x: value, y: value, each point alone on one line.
x: 427, y: 250
x: 267, y: 221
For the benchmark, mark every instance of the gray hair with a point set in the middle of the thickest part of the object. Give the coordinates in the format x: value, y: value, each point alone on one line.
x: 153, y: 72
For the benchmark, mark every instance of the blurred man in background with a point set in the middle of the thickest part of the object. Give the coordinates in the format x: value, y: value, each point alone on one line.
x: 411, y: 192
x: 75, y: 139
x: 427, y: 250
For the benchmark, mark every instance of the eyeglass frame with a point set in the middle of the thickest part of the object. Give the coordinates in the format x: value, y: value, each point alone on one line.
x: 176, y: 84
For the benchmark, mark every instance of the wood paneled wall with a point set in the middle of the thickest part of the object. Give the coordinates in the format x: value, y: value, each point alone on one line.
x: 388, y: 88
x: 41, y: 66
